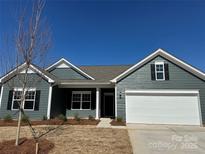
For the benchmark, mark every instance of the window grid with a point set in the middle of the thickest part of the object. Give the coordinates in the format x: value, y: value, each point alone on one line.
x: 30, y: 96
x: 159, y: 71
x: 82, y: 98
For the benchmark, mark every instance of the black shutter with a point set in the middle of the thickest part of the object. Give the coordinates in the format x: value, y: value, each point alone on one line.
x: 166, y: 69
x: 37, y: 101
x: 10, y: 100
x: 93, y: 100
x: 153, y: 72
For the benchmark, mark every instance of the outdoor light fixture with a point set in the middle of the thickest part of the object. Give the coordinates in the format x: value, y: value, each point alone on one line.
x: 120, y: 95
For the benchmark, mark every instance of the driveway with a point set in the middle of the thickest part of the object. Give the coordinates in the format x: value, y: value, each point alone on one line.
x: 166, y: 139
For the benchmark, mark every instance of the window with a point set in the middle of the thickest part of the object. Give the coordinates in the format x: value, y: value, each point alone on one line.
x: 29, y: 102
x: 16, y: 99
x: 159, y: 71
x: 81, y: 100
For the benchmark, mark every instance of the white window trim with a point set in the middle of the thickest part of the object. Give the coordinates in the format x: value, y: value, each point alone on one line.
x: 26, y: 89
x: 159, y: 63
x: 81, y: 97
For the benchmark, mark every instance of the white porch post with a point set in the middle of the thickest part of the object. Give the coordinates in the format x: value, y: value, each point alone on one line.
x: 97, y: 102
x: 49, y: 102
x: 115, y: 101
x: 1, y: 95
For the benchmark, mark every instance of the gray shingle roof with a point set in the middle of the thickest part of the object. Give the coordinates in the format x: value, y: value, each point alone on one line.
x: 104, y: 73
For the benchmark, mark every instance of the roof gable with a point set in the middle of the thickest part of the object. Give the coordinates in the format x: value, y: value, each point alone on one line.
x: 63, y: 63
x: 167, y: 56
x: 31, y: 69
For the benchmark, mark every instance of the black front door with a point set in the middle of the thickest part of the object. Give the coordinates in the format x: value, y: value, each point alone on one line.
x: 108, y: 106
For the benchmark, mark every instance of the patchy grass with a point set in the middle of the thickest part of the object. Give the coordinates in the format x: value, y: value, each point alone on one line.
x: 79, y: 139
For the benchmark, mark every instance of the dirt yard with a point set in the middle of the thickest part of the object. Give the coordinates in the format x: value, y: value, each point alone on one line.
x: 80, y: 139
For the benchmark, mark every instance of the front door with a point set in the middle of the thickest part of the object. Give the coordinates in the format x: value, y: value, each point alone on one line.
x: 108, y: 105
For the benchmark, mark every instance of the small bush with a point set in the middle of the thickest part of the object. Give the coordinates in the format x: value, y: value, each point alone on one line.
x: 119, y: 119
x: 24, y: 118
x: 76, y: 117
x: 91, y: 117
x: 62, y: 117
x: 44, y: 118
x: 8, y: 118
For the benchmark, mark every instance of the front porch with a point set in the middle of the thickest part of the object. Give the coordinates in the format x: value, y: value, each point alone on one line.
x: 83, y: 102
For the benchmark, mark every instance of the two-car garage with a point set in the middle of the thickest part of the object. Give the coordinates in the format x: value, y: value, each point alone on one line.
x: 163, y: 107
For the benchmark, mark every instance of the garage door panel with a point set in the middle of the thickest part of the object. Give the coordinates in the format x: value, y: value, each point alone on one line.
x: 168, y: 109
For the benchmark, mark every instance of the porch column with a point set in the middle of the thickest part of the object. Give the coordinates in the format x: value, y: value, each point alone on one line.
x: 2, y: 90
x: 49, y: 102
x: 97, y: 103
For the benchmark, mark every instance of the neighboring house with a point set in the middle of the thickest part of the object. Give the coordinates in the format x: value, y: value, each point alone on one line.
x: 160, y: 89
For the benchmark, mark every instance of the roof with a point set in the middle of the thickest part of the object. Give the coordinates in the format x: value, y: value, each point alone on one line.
x: 166, y: 55
x: 104, y: 73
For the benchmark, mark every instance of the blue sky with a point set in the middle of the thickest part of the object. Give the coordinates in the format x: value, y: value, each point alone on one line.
x: 119, y: 32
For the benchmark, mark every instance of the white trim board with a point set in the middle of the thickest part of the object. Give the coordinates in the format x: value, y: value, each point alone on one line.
x: 166, y: 55
x: 68, y: 64
x: 163, y: 91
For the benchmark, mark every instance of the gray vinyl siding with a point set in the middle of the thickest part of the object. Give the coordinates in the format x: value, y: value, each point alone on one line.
x: 141, y: 79
x: 81, y: 113
x: 41, y: 85
x: 67, y: 73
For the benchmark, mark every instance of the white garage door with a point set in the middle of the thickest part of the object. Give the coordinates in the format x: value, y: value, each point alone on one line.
x: 162, y: 107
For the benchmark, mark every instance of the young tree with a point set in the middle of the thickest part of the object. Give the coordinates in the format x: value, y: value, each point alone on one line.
x: 32, y: 41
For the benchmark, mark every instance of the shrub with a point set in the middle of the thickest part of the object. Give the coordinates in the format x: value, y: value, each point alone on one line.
x: 90, y: 117
x: 119, y: 119
x: 24, y: 118
x: 76, y: 117
x: 62, y: 117
x: 44, y: 118
x: 8, y: 118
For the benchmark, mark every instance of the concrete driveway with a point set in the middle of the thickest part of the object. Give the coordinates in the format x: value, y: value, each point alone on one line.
x: 166, y: 139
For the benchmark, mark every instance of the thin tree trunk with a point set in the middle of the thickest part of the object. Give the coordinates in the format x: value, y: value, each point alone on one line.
x: 18, y: 128
x: 37, y: 147
x: 21, y: 106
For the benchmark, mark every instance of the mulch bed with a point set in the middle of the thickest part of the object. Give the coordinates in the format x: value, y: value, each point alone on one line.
x: 52, y: 122
x: 26, y: 146
x: 117, y: 123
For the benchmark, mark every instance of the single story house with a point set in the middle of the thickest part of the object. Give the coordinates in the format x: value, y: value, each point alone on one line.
x: 160, y: 89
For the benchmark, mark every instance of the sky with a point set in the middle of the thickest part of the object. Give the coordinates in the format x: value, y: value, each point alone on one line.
x: 89, y: 32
